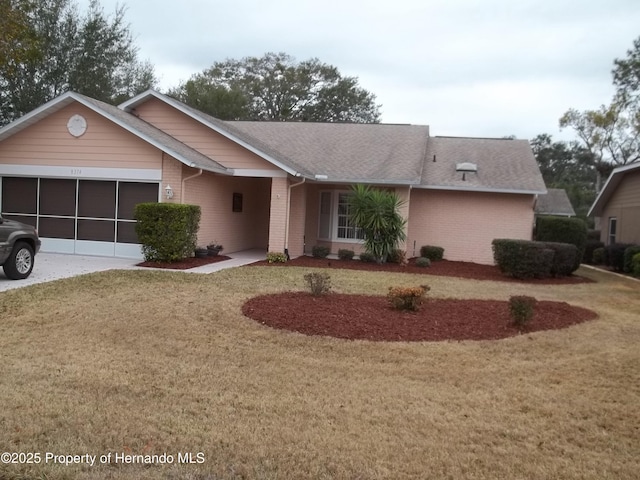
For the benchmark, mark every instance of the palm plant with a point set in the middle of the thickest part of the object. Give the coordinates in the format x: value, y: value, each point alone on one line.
x: 376, y: 213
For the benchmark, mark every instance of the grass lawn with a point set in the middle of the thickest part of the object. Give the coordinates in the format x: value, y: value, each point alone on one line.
x: 143, y: 363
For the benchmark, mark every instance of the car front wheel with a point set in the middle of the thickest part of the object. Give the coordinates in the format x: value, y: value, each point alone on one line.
x: 20, y: 263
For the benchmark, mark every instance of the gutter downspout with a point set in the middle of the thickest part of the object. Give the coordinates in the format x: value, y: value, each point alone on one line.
x: 183, y: 182
x: 287, y: 215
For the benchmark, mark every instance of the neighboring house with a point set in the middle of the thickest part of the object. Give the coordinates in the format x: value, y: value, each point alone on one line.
x: 76, y: 167
x: 618, y: 206
x: 555, y: 202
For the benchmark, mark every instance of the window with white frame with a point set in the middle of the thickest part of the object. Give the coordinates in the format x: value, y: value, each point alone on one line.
x: 613, y: 226
x: 334, y: 222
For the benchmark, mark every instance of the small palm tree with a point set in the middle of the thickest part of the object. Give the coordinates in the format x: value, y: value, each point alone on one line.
x: 375, y: 212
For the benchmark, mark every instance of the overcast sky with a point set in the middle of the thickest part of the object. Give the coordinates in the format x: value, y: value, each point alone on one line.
x: 464, y: 67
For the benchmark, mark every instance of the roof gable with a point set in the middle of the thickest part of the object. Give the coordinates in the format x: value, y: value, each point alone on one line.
x: 610, y: 186
x: 139, y: 128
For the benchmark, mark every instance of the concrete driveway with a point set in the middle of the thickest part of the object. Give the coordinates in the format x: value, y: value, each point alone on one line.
x: 54, y: 266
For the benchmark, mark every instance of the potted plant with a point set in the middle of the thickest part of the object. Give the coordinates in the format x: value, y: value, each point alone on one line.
x: 213, y: 249
x: 201, y: 252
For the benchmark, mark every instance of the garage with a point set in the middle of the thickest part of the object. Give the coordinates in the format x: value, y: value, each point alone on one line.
x: 82, y: 216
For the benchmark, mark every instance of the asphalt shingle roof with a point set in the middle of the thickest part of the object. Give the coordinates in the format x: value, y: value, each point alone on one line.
x: 502, y: 165
x: 343, y: 152
x: 554, y: 202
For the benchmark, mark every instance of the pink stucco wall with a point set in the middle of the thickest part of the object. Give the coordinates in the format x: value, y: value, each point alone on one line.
x: 234, y: 230
x: 200, y: 137
x: 104, y: 144
x: 465, y: 223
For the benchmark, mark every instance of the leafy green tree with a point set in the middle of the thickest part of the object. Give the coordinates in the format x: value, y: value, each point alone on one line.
x: 611, y: 133
x: 376, y: 213
x: 568, y: 166
x: 17, y: 38
x: 92, y: 54
x: 277, y: 87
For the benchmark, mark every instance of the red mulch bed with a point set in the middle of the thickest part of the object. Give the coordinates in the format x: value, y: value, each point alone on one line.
x: 443, y: 267
x: 367, y: 317
x: 185, y: 263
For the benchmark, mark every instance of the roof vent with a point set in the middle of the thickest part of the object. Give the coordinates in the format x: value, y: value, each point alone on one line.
x: 466, y: 167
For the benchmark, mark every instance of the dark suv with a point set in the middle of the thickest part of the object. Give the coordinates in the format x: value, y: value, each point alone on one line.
x: 19, y: 244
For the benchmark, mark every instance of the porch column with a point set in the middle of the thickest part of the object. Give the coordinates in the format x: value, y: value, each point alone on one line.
x: 404, y: 193
x: 297, y: 218
x: 278, y: 213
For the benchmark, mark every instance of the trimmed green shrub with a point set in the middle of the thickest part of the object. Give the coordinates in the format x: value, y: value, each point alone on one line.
x: 521, y: 308
x: 598, y: 256
x: 629, y: 253
x: 564, y: 258
x: 320, y: 251
x: 432, y: 253
x: 397, y: 256
x: 563, y: 230
x: 168, y: 232
x: 318, y: 283
x: 367, y: 257
x: 423, y: 262
x: 589, y: 247
x: 344, y: 254
x: 522, y: 258
x: 614, y: 255
x: 407, y: 298
x: 635, y: 265
x: 276, y: 257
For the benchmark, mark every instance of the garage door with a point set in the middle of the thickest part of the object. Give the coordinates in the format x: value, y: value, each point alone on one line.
x: 91, y: 217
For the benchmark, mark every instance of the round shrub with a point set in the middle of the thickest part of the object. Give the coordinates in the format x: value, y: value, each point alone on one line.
x: 344, y: 254
x: 423, y: 262
x: 397, y: 256
x: 522, y: 258
x: 589, y: 247
x: 432, y: 253
x: 635, y: 265
x: 320, y: 251
x: 598, y: 256
x: 564, y: 258
x: 629, y: 253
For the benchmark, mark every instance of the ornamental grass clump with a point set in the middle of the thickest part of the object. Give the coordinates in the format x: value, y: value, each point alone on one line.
x: 522, y: 308
x: 318, y: 283
x: 407, y: 298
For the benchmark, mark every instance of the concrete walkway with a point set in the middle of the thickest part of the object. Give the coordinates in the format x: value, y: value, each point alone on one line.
x: 54, y: 266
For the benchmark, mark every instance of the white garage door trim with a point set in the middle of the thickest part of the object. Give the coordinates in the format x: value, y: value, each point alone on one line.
x: 93, y: 173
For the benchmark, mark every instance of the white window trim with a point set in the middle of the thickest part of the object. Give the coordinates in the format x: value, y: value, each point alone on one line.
x: 333, y: 226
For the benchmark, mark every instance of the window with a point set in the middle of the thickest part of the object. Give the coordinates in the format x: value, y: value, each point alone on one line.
x: 613, y: 226
x: 333, y: 222
x: 346, y: 230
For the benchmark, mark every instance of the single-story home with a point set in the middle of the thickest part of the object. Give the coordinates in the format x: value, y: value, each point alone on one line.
x: 75, y: 167
x: 618, y: 206
x: 555, y: 202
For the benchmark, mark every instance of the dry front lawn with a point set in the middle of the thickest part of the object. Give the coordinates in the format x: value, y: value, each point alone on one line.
x: 148, y: 363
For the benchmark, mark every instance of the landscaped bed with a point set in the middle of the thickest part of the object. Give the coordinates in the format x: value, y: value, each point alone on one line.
x: 185, y: 263
x: 368, y: 317
x: 443, y: 267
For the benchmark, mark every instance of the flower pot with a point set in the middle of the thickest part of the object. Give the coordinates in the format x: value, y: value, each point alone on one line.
x: 213, y: 252
x: 201, y: 252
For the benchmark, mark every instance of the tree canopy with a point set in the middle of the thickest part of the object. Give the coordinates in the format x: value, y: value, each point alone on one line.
x: 277, y: 87
x: 611, y: 133
x: 567, y: 165
x: 50, y: 48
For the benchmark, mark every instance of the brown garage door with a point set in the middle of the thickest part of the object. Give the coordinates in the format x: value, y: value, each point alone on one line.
x: 78, y: 216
